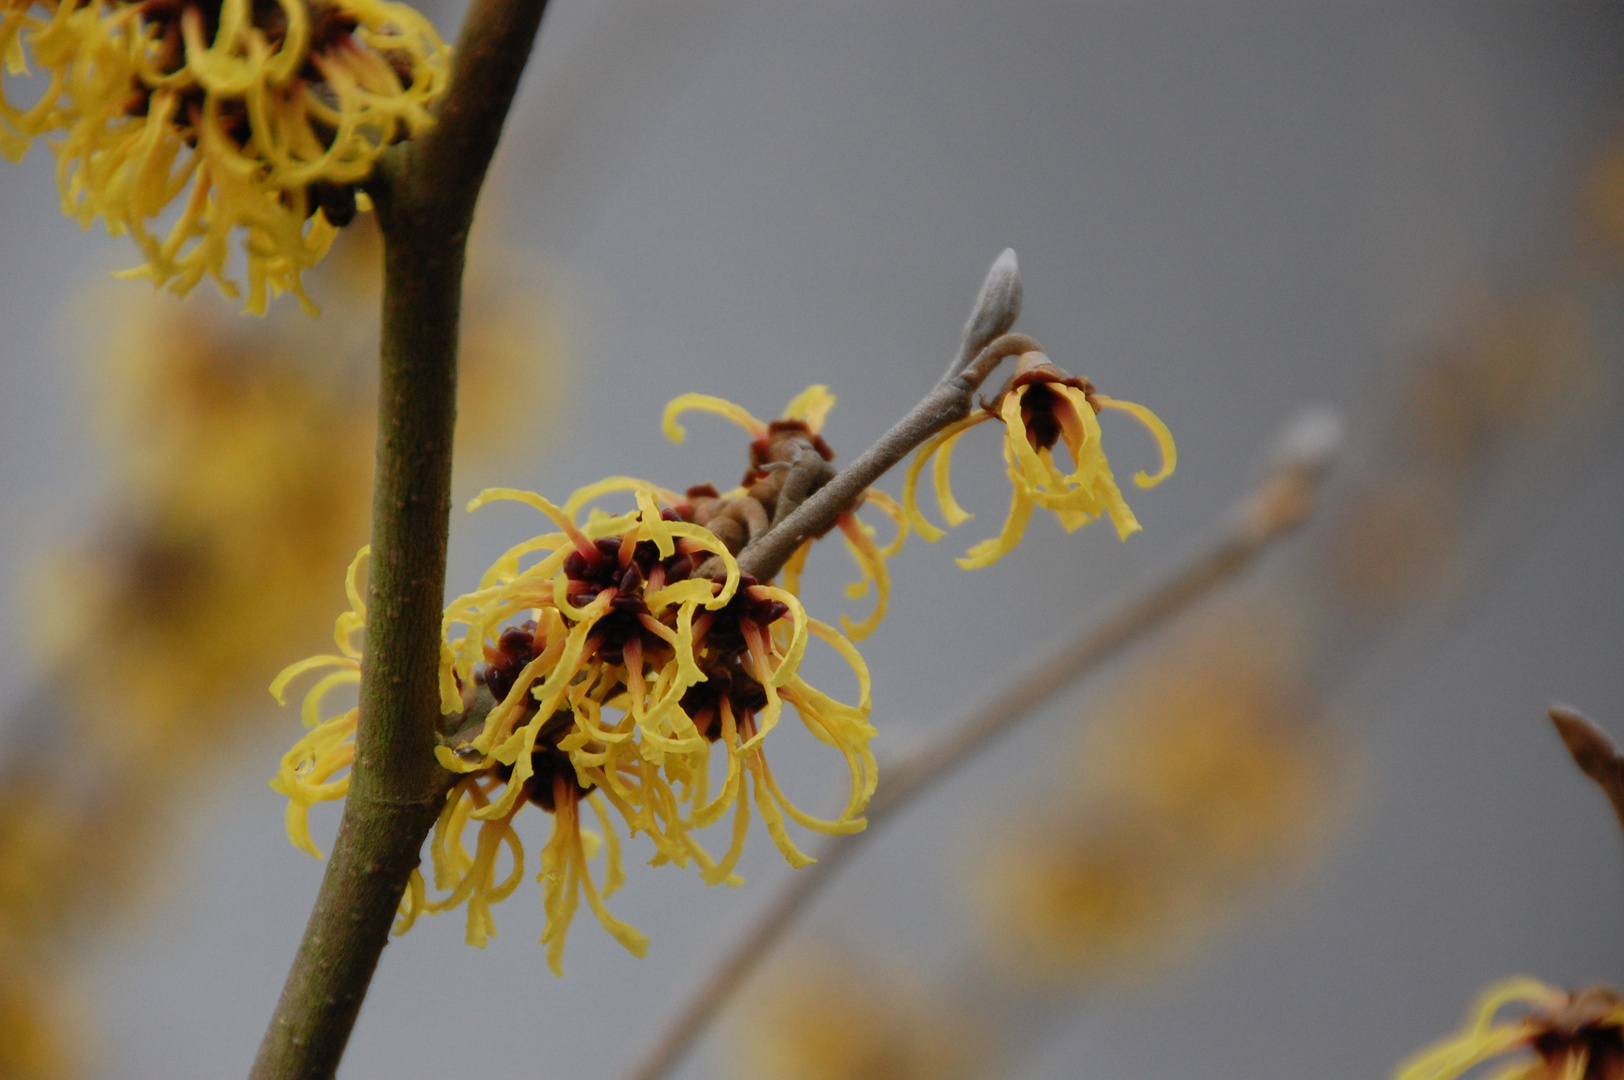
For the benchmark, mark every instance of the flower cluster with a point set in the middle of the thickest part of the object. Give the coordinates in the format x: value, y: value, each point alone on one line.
x: 262, y: 117
x: 601, y: 664
x: 1561, y: 1036
x: 1040, y: 406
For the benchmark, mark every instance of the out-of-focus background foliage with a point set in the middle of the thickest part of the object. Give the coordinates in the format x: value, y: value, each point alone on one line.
x: 1294, y: 833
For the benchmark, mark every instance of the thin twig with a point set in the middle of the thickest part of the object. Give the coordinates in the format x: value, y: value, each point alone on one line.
x: 1593, y: 751
x: 1282, y: 502
x: 950, y: 401
x: 985, y: 339
x: 425, y: 192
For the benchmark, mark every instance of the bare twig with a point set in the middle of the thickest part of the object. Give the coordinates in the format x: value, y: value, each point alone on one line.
x: 425, y: 191
x: 1594, y: 753
x: 985, y: 346
x: 1282, y: 502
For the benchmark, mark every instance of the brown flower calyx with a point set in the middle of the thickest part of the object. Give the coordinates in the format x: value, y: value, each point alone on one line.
x: 1584, y: 1038
x: 724, y: 681
x: 735, y: 521
x: 551, y: 770
x: 515, y: 647
x: 727, y: 629
x: 787, y: 465
x: 627, y: 575
x: 1039, y: 374
x: 784, y: 443
x: 553, y: 774
x: 722, y: 644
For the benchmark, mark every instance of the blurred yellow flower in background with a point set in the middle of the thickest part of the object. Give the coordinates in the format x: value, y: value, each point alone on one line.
x: 1559, y: 1035
x: 1223, y: 742
x: 1210, y: 773
x: 240, y: 475
x: 825, y: 1014
x: 1601, y: 197
x: 241, y: 472
x: 241, y: 459
x: 1506, y: 371
x: 39, y: 1036
x: 1506, y: 366
x: 1399, y: 543
x: 259, y: 117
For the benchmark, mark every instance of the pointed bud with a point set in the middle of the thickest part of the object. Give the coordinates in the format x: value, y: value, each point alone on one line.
x: 997, y: 307
x: 1303, y: 454
x: 1595, y: 754
x: 1592, y: 750
x: 1311, y: 441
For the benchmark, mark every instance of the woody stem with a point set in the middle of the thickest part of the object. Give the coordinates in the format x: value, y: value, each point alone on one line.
x: 425, y: 191
x: 950, y: 401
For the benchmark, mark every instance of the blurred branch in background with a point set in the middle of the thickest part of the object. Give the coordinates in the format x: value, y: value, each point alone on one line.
x: 1212, y: 772
x: 241, y: 459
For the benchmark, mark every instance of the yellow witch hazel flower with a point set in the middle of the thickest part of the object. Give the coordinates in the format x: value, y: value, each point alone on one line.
x: 788, y: 461
x: 602, y: 672
x: 1040, y: 406
x: 259, y: 116
x: 1559, y: 1036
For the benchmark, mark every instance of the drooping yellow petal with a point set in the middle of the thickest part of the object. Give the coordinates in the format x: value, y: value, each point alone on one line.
x: 279, y: 686
x: 1157, y: 429
x: 871, y: 564
x: 944, y: 493
x: 991, y: 550
x: 893, y: 510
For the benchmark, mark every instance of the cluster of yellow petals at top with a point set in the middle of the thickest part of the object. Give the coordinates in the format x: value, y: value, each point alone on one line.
x: 1040, y: 407
x: 146, y: 108
x: 617, y: 730
x: 1573, y: 1036
x: 811, y: 407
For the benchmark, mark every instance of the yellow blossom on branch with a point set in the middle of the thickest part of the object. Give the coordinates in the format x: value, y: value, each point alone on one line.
x: 608, y: 667
x: 261, y: 118
x: 1040, y: 406
x: 1559, y: 1036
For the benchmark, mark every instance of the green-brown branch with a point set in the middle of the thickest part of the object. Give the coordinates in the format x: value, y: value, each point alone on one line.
x: 425, y: 194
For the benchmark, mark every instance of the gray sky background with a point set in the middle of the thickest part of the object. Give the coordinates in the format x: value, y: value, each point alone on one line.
x: 1226, y: 212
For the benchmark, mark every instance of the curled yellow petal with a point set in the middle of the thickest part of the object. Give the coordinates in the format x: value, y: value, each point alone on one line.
x: 1157, y: 429
x: 706, y: 403
x: 810, y: 406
